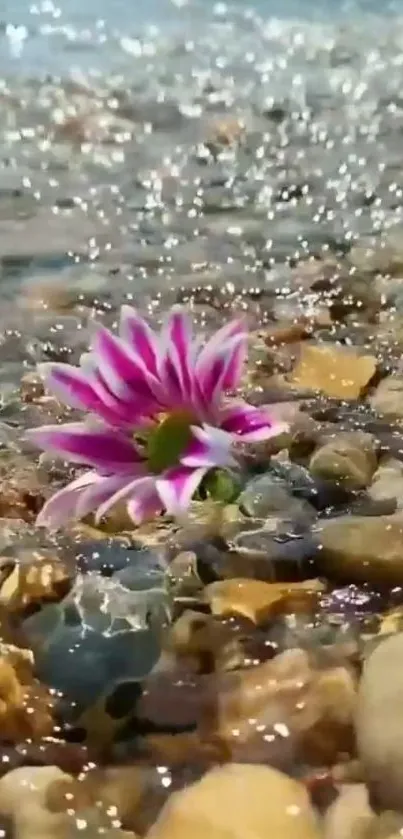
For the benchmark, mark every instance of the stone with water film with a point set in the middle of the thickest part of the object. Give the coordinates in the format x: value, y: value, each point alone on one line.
x: 104, y: 632
x: 269, y: 495
x: 110, y: 555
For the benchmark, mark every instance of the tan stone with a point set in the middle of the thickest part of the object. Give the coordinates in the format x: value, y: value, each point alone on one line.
x: 348, y: 457
x: 288, y: 333
x: 236, y: 802
x: 31, y: 387
x: 23, y: 799
x: 333, y: 370
x: 119, y: 789
x: 45, y: 803
x: 363, y: 548
x: 21, y: 489
x: 35, y: 579
x: 198, y: 638
x: 387, y: 481
x: 25, y: 704
x: 379, y: 722
x: 350, y: 816
x: 254, y: 706
x: 387, y: 400
x: 257, y: 600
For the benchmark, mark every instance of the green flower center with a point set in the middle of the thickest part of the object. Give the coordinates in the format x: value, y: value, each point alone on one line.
x: 167, y: 442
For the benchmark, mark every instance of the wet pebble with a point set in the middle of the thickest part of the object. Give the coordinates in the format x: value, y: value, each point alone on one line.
x: 379, y: 723
x: 350, y: 816
x: 273, y: 556
x: 387, y: 399
x: 253, y: 799
x: 348, y: 458
x: 387, y: 482
x: 258, y: 601
x: 362, y: 549
x: 270, y: 496
x: 112, y: 555
x: 320, y: 493
x: 102, y: 633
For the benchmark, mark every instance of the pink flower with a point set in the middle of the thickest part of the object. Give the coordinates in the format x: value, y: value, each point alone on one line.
x: 160, y: 418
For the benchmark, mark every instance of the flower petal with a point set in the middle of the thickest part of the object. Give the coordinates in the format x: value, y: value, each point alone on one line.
x: 233, y: 327
x: 248, y: 423
x: 101, y: 447
x: 139, y: 484
x: 235, y: 364
x: 100, y: 493
x: 70, y: 385
x: 177, y: 336
x: 171, y: 379
x: 62, y: 506
x: 220, y: 368
x: 74, y: 388
x: 215, y: 345
x: 139, y: 335
x: 144, y: 503
x: 117, y: 412
x: 210, y: 447
x: 123, y: 371
x: 177, y: 486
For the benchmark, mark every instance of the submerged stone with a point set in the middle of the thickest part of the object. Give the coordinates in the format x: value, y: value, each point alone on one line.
x: 107, y: 556
x: 273, y: 555
x: 102, y: 633
x: 268, y: 495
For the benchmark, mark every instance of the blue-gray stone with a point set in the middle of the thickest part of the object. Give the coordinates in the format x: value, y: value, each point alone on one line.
x: 102, y: 633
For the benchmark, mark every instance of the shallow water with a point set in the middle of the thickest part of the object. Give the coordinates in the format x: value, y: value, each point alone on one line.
x: 106, y: 112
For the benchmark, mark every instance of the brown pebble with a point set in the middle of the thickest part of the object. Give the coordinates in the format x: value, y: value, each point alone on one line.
x: 287, y: 334
x: 258, y: 601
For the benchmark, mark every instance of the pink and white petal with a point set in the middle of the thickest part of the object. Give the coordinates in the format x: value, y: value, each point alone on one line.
x: 235, y: 365
x: 210, y: 447
x: 249, y: 424
x: 176, y: 487
x: 75, y: 388
x: 176, y: 341
x: 101, y: 447
x: 100, y: 492
x: 123, y: 371
x: 136, y: 332
x: 131, y: 487
x: 171, y: 380
x: 144, y: 504
x: 212, y: 374
x: 62, y: 506
x: 70, y: 385
x: 259, y: 435
x: 129, y: 413
x: 215, y: 344
x: 113, y: 411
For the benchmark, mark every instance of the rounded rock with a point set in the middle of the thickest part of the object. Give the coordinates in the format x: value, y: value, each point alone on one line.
x: 379, y: 723
x: 362, y: 549
x: 348, y: 457
x: 23, y: 795
x: 268, y: 495
x: 350, y: 816
x: 253, y: 801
